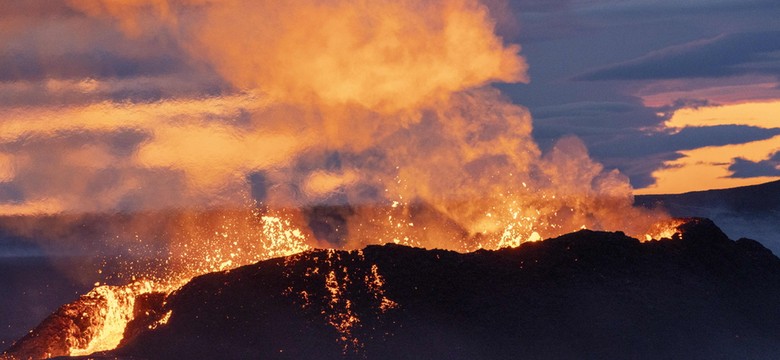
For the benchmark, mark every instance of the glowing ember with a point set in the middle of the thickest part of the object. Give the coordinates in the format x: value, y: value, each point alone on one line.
x: 162, y: 321
x: 281, y: 239
x: 376, y: 283
x: 343, y: 289
x: 664, y: 230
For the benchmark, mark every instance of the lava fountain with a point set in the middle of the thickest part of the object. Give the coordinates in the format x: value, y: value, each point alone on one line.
x: 346, y: 124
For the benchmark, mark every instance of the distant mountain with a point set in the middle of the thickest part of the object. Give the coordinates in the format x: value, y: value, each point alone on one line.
x: 585, y: 295
x: 750, y: 211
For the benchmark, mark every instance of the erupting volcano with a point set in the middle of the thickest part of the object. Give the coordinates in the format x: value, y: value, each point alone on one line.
x: 353, y: 186
x: 587, y: 294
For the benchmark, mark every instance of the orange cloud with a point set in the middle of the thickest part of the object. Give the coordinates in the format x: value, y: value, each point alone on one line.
x: 214, y: 155
x: 382, y: 55
x: 396, y: 91
x: 6, y: 167
x: 708, y: 168
x: 759, y: 114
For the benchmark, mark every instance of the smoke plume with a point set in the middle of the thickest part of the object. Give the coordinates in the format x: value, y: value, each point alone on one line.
x: 368, y: 121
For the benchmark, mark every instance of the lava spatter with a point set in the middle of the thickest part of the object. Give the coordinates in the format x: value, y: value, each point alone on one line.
x: 342, y: 288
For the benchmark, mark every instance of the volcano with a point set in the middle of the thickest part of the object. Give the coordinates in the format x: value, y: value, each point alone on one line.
x: 585, y: 295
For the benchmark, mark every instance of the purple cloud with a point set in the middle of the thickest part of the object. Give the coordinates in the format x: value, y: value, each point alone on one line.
x: 727, y: 55
x: 744, y: 168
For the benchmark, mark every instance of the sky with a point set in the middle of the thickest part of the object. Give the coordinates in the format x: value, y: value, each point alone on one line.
x: 678, y: 95
x: 121, y: 105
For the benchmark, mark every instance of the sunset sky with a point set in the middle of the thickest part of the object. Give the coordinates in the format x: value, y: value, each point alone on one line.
x: 102, y: 101
x: 678, y: 95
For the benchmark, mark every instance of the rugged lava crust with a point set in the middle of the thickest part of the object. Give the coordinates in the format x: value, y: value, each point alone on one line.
x: 583, y: 295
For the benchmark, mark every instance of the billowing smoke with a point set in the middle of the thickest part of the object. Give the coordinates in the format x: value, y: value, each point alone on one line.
x: 364, y: 121
x: 381, y: 55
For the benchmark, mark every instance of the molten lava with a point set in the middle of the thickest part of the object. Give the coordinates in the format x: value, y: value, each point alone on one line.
x: 668, y: 229
x: 116, y: 305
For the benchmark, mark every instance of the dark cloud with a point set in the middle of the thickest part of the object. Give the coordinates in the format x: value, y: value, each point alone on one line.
x: 46, y: 48
x: 96, y: 63
x: 585, y: 109
x: 35, y: 9
x: 539, y: 5
x: 640, y: 169
x: 666, y: 8
x: 142, y: 89
x: 638, y: 154
x: 744, y: 168
x: 120, y: 141
x: 727, y: 55
x: 593, y: 121
x: 10, y: 193
x: 668, y: 110
x: 688, y: 138
x: 625, y: 145
x: 524, y: 20
x: 38, y: 48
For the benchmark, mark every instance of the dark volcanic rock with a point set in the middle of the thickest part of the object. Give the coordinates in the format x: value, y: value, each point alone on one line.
x: 71, y: 325
x: 751, y: 211
x: 585, y: 295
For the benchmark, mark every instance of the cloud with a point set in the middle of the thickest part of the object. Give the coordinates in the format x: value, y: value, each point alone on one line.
x: 686, y: 139
x: 83, y: 171
x: 640, y: 169
x: 671, y: 6
x: 588, y: 109
x: 759, y: 114
x: 630, y: 146
x: 722, y: 56
x: 593, y: 121
x: 710, y: 167
x: 372, y: 104
x: 381, y: 55
x: 639, y: 154
x: 675, y: 94
x: 33, y: 9
x: 744, y: 168
x: 53, y: 54
x: 93, y: 64
x: 128, y: 156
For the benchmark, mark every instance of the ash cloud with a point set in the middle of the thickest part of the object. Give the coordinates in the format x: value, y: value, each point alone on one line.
x: 364, y: 105
x: 379, y: 55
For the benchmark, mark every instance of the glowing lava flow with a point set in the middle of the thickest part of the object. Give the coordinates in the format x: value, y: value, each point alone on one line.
x: 116, y: 305
x: 667, y: 229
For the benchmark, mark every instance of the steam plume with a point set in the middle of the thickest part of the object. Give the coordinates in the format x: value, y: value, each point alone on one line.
x: 381, y: 108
